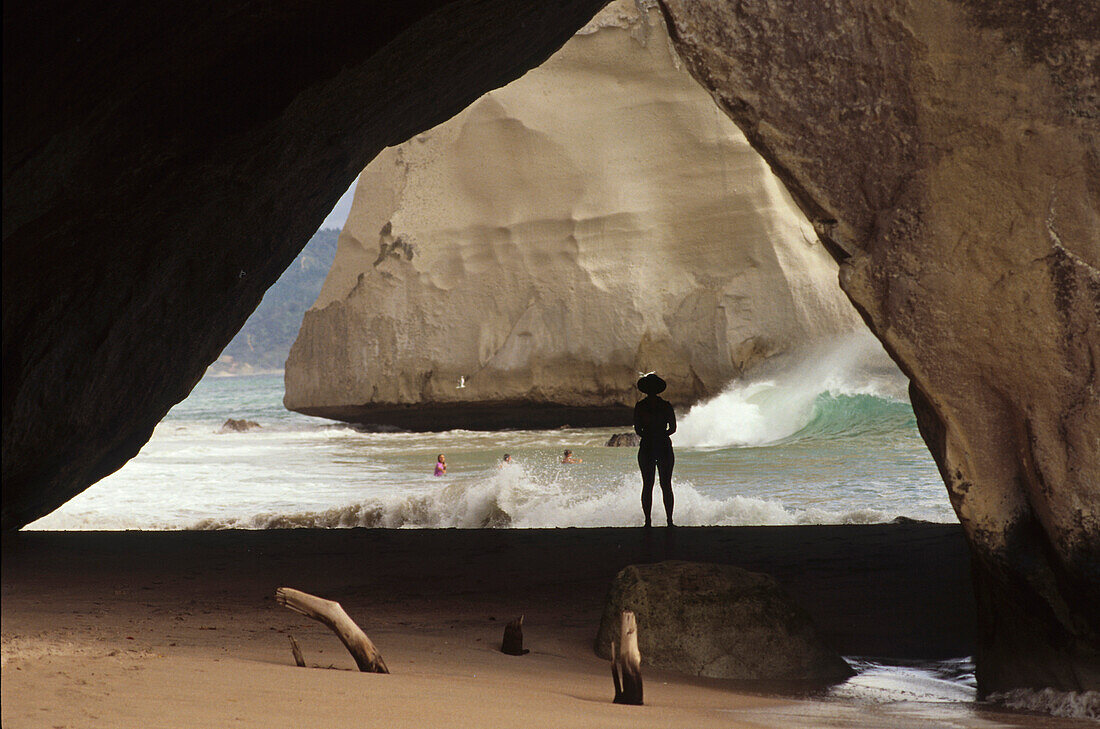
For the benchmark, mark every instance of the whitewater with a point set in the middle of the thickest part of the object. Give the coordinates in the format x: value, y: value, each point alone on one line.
x: 826, y: 440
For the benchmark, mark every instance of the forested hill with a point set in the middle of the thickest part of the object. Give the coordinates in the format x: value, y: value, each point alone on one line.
x: 263, y: 343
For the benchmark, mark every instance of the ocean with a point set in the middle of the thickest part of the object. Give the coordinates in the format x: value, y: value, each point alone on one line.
x: 826, y: 441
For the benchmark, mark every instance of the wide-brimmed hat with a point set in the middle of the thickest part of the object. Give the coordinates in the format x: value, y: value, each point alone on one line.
x: 651, y: 384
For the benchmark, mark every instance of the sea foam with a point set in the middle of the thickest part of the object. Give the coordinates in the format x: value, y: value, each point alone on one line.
x: 521, y: 498
x: 1076, y: 704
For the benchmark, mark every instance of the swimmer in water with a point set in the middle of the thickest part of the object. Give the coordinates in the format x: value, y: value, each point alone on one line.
x: 655, y: 422
x: 506, y: 460
x: 568, y: 457
x: 441, y: 465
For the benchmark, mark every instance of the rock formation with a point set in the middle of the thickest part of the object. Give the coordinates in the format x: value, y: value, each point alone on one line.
x: 623, y: 440
x: 164, y: 163
x: 717, y: 621
x: 948, y: 153
x: 238, y: 426
x: 595, y: 218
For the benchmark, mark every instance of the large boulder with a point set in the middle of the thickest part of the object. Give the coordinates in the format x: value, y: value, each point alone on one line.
x: 948, y: 153
x: 595, y: 218
x: 717, y: 621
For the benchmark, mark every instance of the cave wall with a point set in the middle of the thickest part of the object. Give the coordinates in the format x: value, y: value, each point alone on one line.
x: 165, y: 162
x: 948, y: 153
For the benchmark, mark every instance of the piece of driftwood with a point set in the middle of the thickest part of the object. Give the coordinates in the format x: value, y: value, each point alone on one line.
x: 332, y: 615
x: 513, y: 638
x: 626, y: 662
x: 297, y: 652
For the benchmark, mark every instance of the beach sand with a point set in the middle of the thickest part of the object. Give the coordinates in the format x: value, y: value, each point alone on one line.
x: 180, y: 629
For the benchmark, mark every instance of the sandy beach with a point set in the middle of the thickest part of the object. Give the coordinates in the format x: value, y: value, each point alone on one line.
x: 174, y: 629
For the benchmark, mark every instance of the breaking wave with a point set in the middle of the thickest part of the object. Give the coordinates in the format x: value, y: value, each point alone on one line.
x: 845, y: 390
x: 516, y: 498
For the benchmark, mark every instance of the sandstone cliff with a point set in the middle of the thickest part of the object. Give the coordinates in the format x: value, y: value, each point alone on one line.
x: 949, y: 155
x: 596, y: 218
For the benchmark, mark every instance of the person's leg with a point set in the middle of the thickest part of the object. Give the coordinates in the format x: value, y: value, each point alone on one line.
x: 665, y: 462
x: 647, y: 463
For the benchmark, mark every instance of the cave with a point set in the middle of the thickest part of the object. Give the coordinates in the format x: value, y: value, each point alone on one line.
x: 164, y: 164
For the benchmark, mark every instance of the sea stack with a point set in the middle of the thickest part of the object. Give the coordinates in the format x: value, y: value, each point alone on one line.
x: 519, y: 264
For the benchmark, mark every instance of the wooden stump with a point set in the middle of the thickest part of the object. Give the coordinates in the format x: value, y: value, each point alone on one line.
x: 332, y: 615
x: 513, y: 638
x: 298, y: 659
x: 626, y: 662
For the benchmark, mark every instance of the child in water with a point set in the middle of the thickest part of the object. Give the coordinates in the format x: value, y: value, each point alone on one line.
x: 568, y: 458
x: 441, y: 466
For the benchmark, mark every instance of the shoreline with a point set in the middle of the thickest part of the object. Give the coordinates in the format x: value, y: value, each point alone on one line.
x: 98, y: 625
x: 884, y: 590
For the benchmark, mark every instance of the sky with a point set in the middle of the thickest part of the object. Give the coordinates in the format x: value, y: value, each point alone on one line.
x: 340, y: 212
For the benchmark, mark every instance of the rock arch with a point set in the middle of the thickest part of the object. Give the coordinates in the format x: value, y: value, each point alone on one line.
x: 164, y: 163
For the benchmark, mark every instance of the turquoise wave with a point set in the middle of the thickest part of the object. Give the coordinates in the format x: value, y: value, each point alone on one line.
x: 856, y: 416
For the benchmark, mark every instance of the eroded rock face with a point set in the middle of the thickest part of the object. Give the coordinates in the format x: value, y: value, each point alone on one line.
x: 717, y: 621
x: 949, y: 155
x: 946, y: 151
x: 164, y: 162
x: 597, y: 218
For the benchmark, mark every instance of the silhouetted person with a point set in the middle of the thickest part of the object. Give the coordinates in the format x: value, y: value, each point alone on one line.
x: 655, y: 422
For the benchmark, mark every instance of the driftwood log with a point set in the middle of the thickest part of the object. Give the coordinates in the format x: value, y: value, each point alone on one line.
x: 332, y: 615
x: 513, y: 638
x: 626, y: 662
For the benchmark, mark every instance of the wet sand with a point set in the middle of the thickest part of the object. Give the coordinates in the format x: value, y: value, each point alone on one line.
x: 179, y: 629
